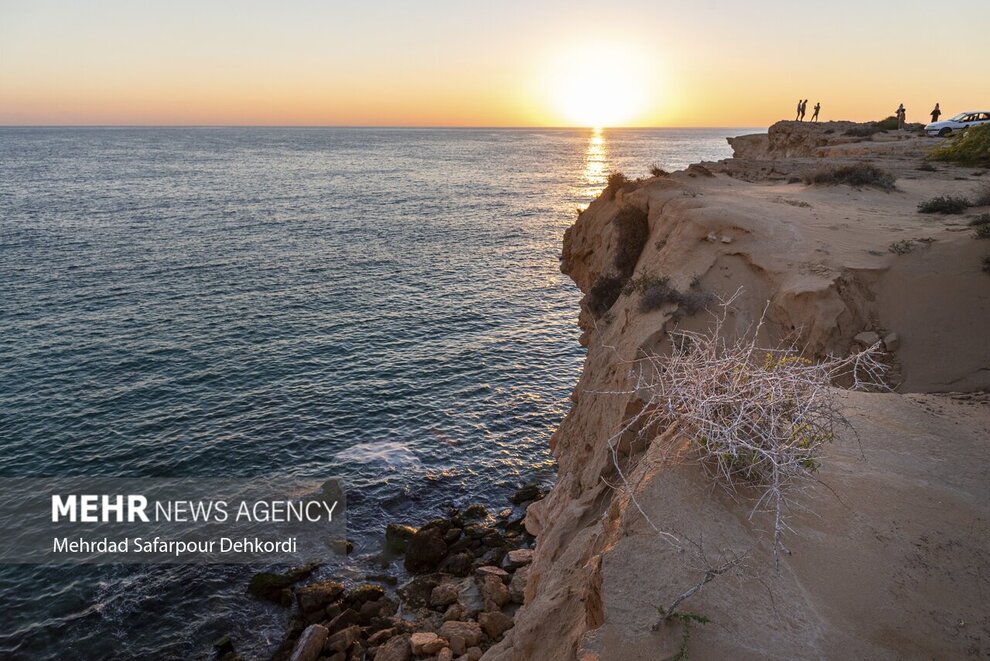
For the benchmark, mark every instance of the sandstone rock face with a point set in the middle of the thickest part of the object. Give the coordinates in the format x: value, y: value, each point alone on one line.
x: 310, y: 643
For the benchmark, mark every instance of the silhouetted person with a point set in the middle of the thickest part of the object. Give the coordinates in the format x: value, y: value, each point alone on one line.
x: 936, y: 113
x: 818, y: 107
x: 797, y: 117
x: 901, y: 115
x: 804, y: 108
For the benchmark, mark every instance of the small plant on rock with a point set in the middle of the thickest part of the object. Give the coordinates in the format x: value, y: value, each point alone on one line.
x: 604, y: 293
x: 657, y: 171
x: 614, y: 184
x: 902, y: 247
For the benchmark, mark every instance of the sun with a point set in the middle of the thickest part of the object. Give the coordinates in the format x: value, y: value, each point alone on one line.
x: 598, y: 86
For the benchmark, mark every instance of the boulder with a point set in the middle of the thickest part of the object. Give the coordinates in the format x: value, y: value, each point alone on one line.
x: 380, y: 637
x: 425, y: 551
x: 867, y: 338
x: 471, y: 598
x: 494, y: 592
x: 495, y: 623
x: 892, y: 341
x: 454, y: 612
x: 458, y: 564
x: 223, y: 645
x: 364, y: 593
x: 489, y: 570
x: 275, y: 587
x: 397, y: 537
x: 310, y: 643
x: 469, y: 632
x: 426, y: 642
x: 474, y: 654
x: 527, y: 493
x: 476, y: 511
x: 343, y: 639
x: 318, y: 596
x: 396, y: 649
x: 443, y: 595
x: 416, y: 592
x: 445, y: 655
x: 517, y: 558
x: 348, y: 618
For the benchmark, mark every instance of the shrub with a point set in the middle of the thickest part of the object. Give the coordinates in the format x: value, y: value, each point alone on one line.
x: 944, y: 204
x: 864, y: 130
x: 971, y: 146
x: 926, y: 167
x: 657, y: 171
x: 615, y: 182
x: 887, y: 124
x: 982, y: 219
x: 656, y: 291
x: 858, y: 175
x: 982, y: 232
x: 604, y: 293
x: 982, y: 198
x: 758, y: 417
x: 901, y: 247
x: 631, y: 232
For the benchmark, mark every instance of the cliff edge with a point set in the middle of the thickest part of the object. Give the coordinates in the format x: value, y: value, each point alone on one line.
x: 886, y: 556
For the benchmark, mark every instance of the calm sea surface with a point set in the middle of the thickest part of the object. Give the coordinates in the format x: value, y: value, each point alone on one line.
x: 380, y: 304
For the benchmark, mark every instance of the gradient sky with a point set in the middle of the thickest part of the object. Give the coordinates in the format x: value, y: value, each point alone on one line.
x: 464, y: 63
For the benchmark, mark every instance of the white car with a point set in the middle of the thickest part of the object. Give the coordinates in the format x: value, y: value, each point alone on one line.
x: 961, y: 121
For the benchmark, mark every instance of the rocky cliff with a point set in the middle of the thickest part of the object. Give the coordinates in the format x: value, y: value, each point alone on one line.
x: 886, y: 552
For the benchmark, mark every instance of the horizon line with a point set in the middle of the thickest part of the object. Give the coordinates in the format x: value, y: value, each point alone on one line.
x: 358, y: 126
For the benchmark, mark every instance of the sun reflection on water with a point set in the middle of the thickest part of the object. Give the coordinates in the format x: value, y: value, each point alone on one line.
x: 595, y: 162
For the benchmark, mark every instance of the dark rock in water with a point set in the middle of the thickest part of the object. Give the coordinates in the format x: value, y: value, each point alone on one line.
x: 397, y: 537
x: 364, y: 593
x: 458, y: 564
x: 383, y: 578
x: 275, y: 587
x: 476, y: 511
x: 452, y: 535
x: 223, y: 645
x: 343, y: 639
x: 517, y: 526
x: 443, y: 525
x: 529, y: 492
x: 318, y: 595
x: 426, y: 550
x: 380, y: 608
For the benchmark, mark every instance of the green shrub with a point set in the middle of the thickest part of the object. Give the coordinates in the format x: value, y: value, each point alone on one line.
x: 887, y: 124
x: 615, y: 182
x: 971, y: 146
x: 631, y: 232
x: 858, y: 175
x: 604, y: 293
x: 944, y: 204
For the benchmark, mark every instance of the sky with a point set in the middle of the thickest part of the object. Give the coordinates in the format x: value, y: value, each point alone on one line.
x: 468, y: 63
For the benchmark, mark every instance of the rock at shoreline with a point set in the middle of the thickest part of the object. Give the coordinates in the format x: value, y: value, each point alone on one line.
x: 310, y: 643
x: 276, y: 588
x: 495, y: 623
x: 396, y: 649
x: 516, y: 558
x: 426, y: 642
x: 469, y: 634
x: 426, y: 550
x: 318, y: 596
x: 397, y: 537
x: 528, y: 493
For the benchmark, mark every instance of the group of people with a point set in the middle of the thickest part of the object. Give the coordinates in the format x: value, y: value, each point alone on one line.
x: 802, y: 108
x: 900, y: 113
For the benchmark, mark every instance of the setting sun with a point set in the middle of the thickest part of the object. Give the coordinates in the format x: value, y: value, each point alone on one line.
x: 599, y: 85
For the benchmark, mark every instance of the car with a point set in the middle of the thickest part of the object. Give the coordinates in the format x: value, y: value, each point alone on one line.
x: 961, y: 121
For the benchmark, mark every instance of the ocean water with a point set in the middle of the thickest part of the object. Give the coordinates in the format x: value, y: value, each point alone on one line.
x: 383, y: 305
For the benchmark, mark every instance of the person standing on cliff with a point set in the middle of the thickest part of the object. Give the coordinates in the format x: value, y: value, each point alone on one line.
x: 936, y: 113
x: 804, y: 108
x: 901, y: 115
x: 797, y: 117
x: 818, y: 107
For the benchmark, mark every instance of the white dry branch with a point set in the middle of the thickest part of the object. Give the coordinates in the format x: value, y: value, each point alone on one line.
x: 758, y: 417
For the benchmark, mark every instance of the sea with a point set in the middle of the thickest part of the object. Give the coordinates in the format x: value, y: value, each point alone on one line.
x: 375, y: 304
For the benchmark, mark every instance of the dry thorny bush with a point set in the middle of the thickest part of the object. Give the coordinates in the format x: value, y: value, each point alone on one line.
x: 756, y: 417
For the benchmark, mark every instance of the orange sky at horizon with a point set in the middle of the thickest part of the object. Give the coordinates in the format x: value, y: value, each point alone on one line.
x: 441, y: 63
